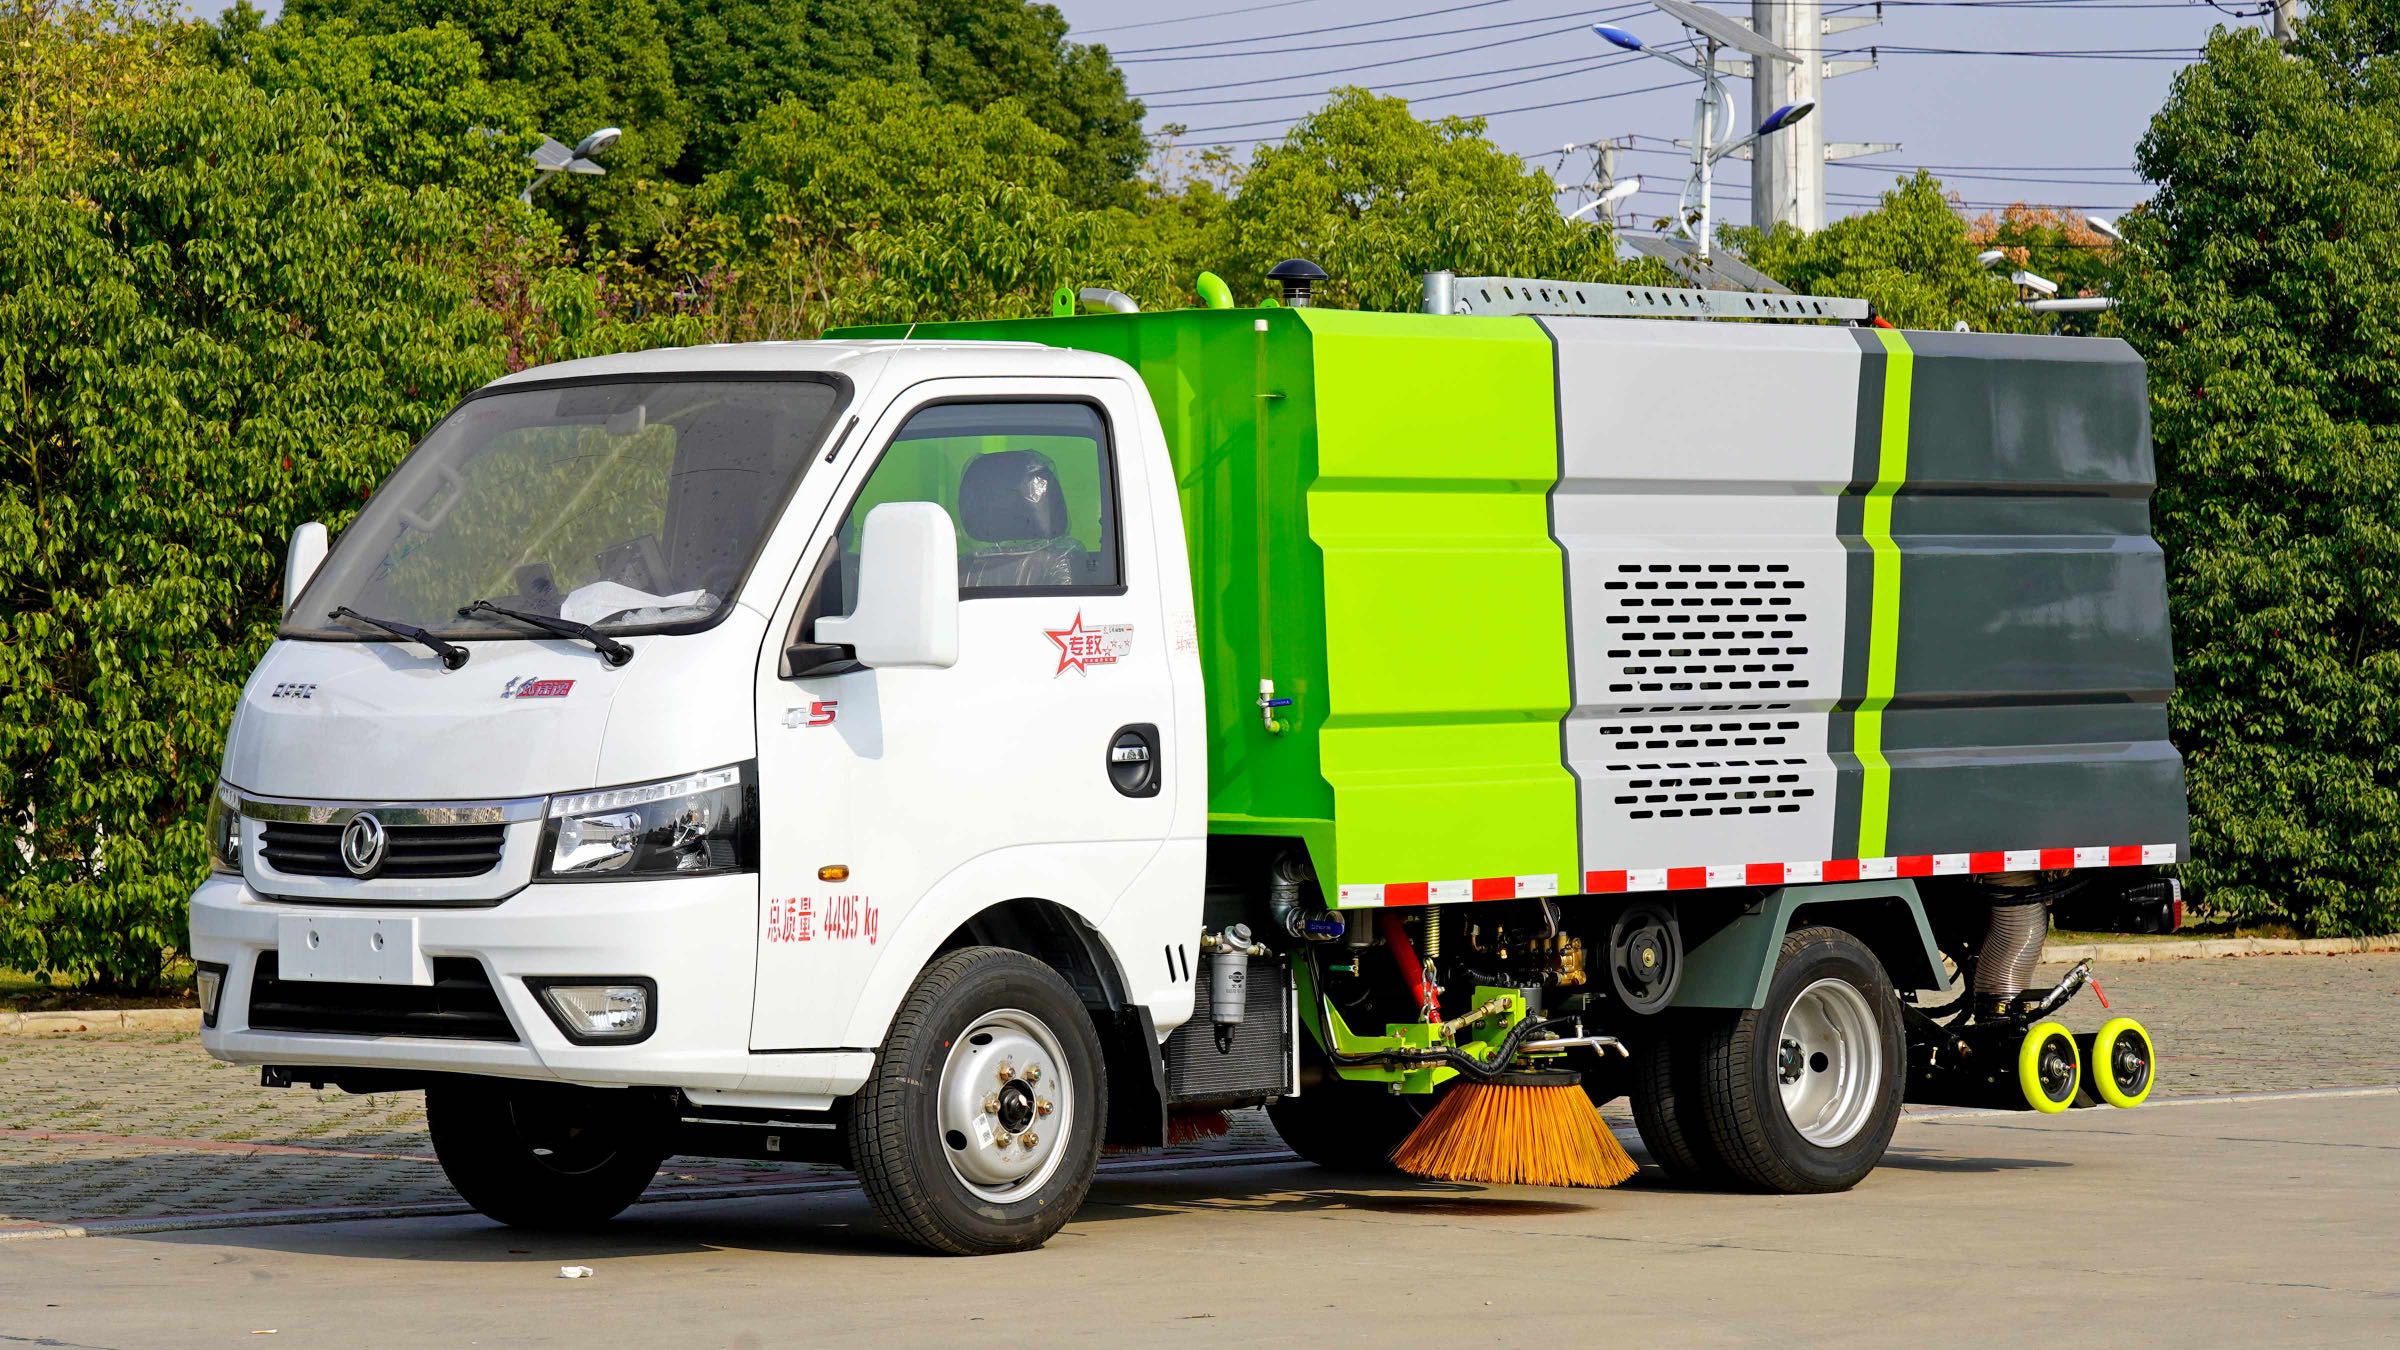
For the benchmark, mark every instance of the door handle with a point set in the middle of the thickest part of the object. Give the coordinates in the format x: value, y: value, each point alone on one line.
x: 1133, y: 760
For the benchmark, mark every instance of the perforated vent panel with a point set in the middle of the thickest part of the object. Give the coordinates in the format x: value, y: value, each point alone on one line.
x: 1702, y: 685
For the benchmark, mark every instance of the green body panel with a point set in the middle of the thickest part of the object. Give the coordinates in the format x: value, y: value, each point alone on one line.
x: 1445, y: 597
x: 1365, y: 502
x: 1730, y: 968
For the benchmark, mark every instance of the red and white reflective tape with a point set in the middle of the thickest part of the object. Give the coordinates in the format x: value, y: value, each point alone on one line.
x: 1613, y: 882
x: 1449, y: 892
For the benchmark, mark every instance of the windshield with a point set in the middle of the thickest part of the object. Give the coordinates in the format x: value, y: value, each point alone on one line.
x: 629, y: 506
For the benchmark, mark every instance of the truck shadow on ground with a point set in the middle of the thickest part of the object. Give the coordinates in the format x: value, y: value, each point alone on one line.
x: 837, y: 1220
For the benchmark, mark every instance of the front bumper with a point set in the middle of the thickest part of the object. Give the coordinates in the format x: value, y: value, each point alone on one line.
x: 695, y: 936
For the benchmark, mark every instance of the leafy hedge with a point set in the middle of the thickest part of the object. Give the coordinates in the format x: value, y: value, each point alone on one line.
x: 206, y: 335
x: 2261, y: 287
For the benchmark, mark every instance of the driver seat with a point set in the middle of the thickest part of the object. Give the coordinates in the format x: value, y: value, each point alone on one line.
x: 1011, y: 503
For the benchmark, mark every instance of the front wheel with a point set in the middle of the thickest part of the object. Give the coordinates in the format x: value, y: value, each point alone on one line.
x: 539, y: 1155
x: 1342, y: 1125
x: 1803, y: 1094
x: 979, y: 1129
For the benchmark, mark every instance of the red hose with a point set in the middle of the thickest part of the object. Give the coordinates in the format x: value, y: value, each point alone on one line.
x: 1411, y: 969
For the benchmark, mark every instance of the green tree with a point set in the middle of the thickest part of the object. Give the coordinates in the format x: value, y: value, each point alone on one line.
x: 418, y: 110
x: 2259, y: 284
x: 577, y: 66
x: 736, y: 58
x: 211, y: 329
x: 1911, y: 257
x: 979, y: 52
x: 888, y: 205
x: 1378, y: 198
x: 63, y: 63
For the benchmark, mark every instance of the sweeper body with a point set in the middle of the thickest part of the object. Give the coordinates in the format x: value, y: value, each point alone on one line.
x: 954, y: 752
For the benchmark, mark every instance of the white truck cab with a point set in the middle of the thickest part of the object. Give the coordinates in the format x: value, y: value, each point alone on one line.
x: 547, y: 860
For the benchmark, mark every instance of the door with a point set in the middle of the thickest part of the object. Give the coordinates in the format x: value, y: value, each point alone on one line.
x: 896, y: 803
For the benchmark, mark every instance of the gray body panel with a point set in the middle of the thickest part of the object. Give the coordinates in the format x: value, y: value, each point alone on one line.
x: 1712, y: 505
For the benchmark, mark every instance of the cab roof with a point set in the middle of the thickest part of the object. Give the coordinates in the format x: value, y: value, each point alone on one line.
x: 864, y: 362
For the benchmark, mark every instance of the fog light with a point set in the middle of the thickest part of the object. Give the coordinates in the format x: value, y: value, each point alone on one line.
x: 598, y: 1012
x: 208, y: 981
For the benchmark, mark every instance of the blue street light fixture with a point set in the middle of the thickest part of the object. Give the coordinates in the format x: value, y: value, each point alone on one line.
x: 1710, y: 31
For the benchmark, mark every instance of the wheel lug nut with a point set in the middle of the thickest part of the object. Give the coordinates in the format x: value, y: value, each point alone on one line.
x: 1041, y: 1106
x: 1033, y: 1073
x: 1007, y: 1073
x: 1029, y: 1139
x: 991, y: 1106
x: 1003, y: 1139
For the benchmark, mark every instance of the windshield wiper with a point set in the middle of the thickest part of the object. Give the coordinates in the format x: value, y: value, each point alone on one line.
x: 614, y: 652
x: 453, y: 656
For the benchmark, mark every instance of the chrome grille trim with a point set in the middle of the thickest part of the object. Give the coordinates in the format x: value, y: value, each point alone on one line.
x: 297, y: 811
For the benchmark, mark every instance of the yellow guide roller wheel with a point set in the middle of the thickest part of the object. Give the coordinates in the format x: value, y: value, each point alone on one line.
x: 2123, y: 1063
x: 2049, y: 1069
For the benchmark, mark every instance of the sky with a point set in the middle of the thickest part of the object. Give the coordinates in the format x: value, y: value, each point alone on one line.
x: 2055, y: 131
x: 2016, y: 120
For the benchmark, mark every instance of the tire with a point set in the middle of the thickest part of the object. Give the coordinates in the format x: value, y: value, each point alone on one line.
x: 547, y: 1156
x: 958, y: 1074
x: 1344, y: 1126
x: 1831, y: 1001
x: 1669, y: 1107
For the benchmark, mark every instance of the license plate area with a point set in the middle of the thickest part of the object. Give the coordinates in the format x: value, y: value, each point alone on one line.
x: 350, y: 949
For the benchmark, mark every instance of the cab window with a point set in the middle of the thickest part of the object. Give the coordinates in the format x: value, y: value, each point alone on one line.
x: 1030, y: 488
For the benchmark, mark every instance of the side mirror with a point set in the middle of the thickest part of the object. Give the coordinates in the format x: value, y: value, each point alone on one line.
x: 907, y: 613
x: 301, y: 559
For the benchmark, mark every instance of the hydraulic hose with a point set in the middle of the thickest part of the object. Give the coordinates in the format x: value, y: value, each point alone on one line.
x: 1433, y: 1056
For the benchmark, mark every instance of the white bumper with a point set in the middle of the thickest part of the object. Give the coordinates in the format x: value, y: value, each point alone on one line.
x: 694, y: 936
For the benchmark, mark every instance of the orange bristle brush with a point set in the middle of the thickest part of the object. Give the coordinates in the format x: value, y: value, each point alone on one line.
x: 1529, y: 1128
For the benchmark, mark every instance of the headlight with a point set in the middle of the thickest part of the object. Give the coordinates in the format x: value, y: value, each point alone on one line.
x: 224, y: 830
x: 699, y: 824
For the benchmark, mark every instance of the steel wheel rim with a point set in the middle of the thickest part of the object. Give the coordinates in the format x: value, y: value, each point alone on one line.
x: 1829, y: 1062
x: 1005, y: 1077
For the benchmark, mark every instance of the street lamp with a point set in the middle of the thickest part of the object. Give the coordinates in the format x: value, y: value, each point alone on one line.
x: 550, y: 157
x: 1991, y: 257
x: 2105, y: 228
x: 1713, y: 32
x: 1604, y: 206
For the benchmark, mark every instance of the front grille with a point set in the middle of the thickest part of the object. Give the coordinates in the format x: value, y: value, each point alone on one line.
x: 460, y: 1004
x: 414, y: 852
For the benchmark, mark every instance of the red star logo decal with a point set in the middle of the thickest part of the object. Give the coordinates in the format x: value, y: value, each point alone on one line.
x: 1076, y: 646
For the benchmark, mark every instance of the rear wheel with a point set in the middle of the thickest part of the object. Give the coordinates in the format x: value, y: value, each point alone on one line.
x: 1802, y: 1094
x: 979, y: 1130
x: 1668, y: 1103
x: 537, y: 1155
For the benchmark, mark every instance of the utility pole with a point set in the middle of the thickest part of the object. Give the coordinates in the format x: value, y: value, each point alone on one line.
x: 2286, y: 16
x: 1787, y: 174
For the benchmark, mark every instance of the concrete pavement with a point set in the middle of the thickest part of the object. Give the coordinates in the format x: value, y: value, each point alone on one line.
x: 2246, y: 1222
x: 2264, y: 1219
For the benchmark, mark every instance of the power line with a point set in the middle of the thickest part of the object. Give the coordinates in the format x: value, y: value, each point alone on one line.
x: 1597, y: 63
x: 1373, y: 65
x: 1331, y: 28
x: 1583, y: 65
x: 1496, y: 112
x: 2183, y: 54
x: 1583, y: 15
x: 1973, y: 173
x: 1195, y: 18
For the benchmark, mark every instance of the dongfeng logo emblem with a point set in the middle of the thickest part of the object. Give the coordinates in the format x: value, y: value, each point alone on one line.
x: 363, y: 843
